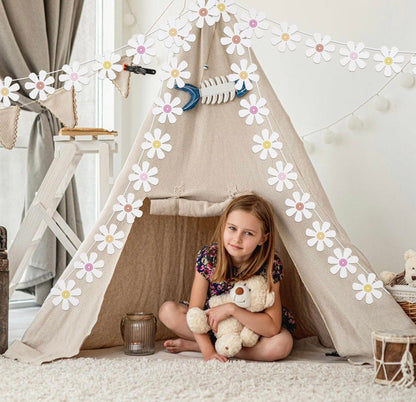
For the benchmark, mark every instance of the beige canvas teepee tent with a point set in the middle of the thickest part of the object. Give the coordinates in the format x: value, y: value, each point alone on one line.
x: 186, y: 166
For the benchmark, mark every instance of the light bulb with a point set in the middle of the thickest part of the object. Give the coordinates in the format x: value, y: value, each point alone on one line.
x: 309, y: 146
x: 382, y: 104
x: 129, y: 19
x: 407, y: 80
x: 354, y: 123
x: 329, y: 136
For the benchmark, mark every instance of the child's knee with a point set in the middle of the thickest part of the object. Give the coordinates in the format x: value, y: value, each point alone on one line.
x: 281, y: 348
x: 167, y: 311
x: 278, y: 347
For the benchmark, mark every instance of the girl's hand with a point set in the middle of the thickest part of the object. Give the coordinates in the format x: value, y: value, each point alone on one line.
x: 216, y: 356
x: 218, y: 314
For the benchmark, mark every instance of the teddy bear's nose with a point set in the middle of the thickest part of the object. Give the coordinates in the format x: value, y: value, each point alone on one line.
x: 239, y: 291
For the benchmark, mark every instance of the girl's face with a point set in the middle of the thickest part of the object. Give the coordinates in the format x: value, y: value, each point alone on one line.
x: 242, y: 234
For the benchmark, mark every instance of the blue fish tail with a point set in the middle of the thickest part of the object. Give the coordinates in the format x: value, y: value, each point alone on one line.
x: 193, y: 92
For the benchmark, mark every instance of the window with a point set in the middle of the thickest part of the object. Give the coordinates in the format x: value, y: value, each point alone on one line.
x: 13, y: 163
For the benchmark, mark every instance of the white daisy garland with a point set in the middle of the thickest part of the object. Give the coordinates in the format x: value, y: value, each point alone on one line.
x: 107, y: 65
x: 320, y: 235
x: 40, y: 85
x: 175, y: 73
x: 141, y: 49
x: 74, y: 77
x: 176, y: 34
x: 7, y: 91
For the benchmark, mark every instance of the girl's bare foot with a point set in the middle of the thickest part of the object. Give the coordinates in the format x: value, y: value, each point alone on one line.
x: 180, y: 345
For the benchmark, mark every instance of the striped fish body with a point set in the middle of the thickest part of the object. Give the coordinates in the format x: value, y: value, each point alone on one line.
x: 215, y: 90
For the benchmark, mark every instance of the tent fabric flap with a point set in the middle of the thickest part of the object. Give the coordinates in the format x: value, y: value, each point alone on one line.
x: 184, y: 207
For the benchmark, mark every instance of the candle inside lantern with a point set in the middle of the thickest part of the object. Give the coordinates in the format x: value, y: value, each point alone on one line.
x: 136, y: 346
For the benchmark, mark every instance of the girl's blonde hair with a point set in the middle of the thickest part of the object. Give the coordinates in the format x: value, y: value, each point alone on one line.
x: 262, y: 255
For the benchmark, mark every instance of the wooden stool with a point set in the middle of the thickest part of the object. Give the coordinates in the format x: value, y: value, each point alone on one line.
x: 70, y: 145
x: 93, y: 140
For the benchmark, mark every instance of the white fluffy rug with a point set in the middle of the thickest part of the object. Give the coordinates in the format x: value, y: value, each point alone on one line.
x: 189, y: 378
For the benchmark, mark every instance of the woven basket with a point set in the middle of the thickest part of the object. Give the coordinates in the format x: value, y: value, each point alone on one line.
x: 406, y: 296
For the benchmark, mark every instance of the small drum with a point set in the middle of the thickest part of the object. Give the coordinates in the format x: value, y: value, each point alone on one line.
x: 394, y: 358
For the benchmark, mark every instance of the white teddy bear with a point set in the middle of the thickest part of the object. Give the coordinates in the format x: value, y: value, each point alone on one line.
x: 252, y: 295
x: 409, y: 274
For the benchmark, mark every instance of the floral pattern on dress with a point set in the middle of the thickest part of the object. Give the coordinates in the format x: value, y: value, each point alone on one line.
x: 205, y: 265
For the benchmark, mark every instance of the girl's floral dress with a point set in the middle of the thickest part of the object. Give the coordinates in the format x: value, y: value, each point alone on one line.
x: 205, y: 265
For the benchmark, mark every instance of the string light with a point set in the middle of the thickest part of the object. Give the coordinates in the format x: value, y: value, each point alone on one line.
x: 407, y: 80
x: 329, y: 136
x: 354, y: 123
x: 129, y: 18
x: 309, y: 146
x: 381, y: 104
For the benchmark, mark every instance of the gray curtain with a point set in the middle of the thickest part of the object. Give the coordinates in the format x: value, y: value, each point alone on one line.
x: 38, y: 35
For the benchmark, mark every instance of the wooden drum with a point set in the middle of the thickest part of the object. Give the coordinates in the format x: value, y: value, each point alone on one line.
x: 394, y: 358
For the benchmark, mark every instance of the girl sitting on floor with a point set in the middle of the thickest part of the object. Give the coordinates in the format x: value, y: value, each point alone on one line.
x: 243, y: 247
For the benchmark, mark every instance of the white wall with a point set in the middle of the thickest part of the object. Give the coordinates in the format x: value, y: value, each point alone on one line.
x: 368, y: 174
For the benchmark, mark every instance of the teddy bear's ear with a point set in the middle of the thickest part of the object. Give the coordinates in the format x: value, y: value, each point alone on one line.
x: 409, y: 254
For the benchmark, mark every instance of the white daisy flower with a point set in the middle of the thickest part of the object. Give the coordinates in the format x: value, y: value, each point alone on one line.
x: 281, y: 176
x: 389, y: 61
x: 169, y: 31
x: 166, y: 107
x: 354, y: 55
x: 254, y: 22
x: 254, y: 109
x: 141, y: 49
x: 203, y: 11
x: 225, y: 8
x: 182, y: 42
x: 243, y: 75
x: 128, y: 208
x: 175, y: 73
x: 175, y: 35
x: 109, y: 238
x: 285, y: 36
x: 320, y: 235
x: 89, y: 267
x: 413, y: 61
x: 320, y: 47
x: 235, y: 40
x: 266, y: 144
x: 7, y: 91
x: 299, y: 206
x: 143, y: 175
x: 343, y: 262
x: 156, y: 144
x: 65, y: 294
x: 107, y: 65
x: 368, y: 288
x: 74, y: 76
x: 39, y: 85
